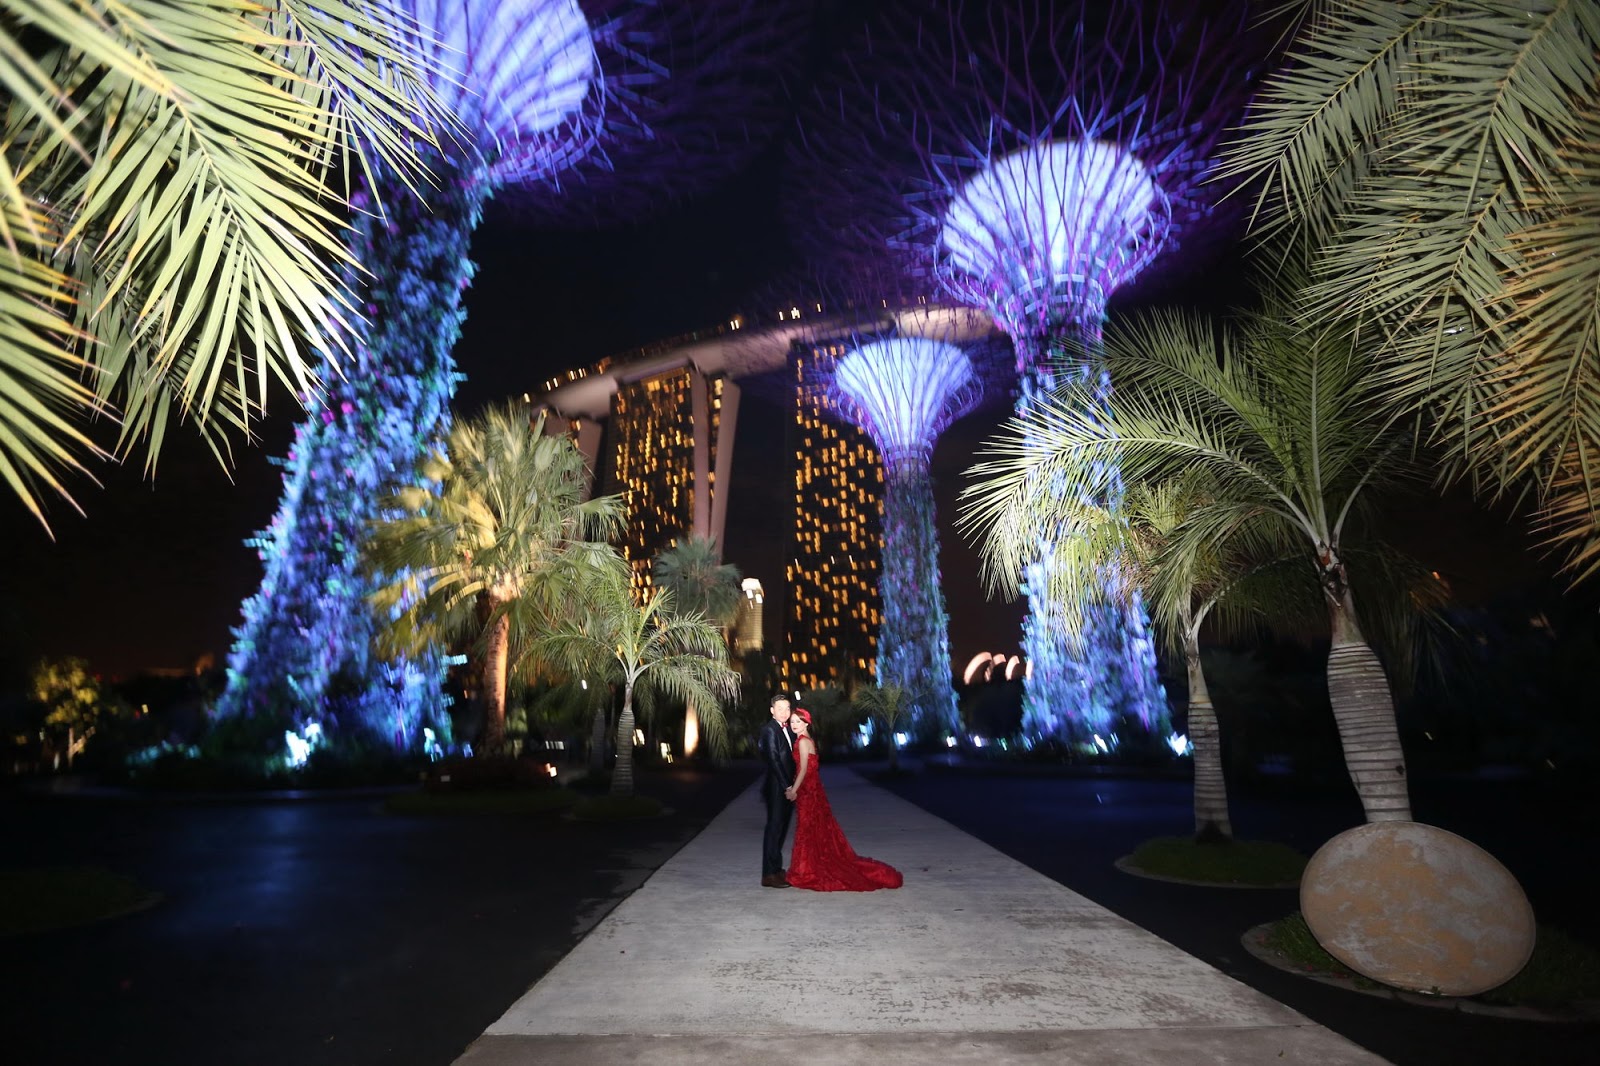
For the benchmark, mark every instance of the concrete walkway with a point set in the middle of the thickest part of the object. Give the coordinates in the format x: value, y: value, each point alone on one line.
x: 978, y: 959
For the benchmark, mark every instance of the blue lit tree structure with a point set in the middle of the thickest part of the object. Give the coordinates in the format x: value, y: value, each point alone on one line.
x: 533, y: 84
x: 904, y: 391
x: 1034, y: 162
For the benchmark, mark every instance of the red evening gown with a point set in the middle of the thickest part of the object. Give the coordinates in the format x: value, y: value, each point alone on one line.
x: 822, y: 859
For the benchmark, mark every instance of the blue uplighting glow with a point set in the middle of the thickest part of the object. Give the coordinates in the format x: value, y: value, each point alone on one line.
x: 901, y: 390
x: 517, y: 74
x: 1052, y: 223
x: 1043, y: 237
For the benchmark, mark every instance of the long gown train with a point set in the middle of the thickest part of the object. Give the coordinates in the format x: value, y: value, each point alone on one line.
x: 822, y: 859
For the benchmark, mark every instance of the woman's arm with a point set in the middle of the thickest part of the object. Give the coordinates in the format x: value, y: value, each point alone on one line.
x: 805, y: 764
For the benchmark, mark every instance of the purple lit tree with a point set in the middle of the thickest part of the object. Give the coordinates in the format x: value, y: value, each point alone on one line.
x: 1034, y: 162
x: 536, y: 86
x: 904, y: 391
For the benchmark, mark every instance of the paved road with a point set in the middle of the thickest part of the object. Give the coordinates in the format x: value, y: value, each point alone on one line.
x: 309, y: 933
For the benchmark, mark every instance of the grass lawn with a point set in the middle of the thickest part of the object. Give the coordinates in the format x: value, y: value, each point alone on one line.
x: 486, y: 801
x: 1561, y: 971
x: 1237, y: 862
x: 34, y: 901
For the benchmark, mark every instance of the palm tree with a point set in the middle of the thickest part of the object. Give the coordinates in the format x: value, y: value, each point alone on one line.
x: 700, y: 583
x: 597, y: 698
x: 889, y: 707
x: 648, y: 649
x: 508, y: 536
x: 170, y: 230
x: 1447, y: 155
x: 1279, y: 421
x: 1231, y: 584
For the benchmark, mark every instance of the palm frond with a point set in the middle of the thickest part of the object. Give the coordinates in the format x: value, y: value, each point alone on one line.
x: 502, y: 518
x: 649, y: 646
x: 1402, y: 606
x: 1315, y: 119
x: 693, y: 570
x: 183, y: 150
x: 43, y: 400
x: 1466, y: 239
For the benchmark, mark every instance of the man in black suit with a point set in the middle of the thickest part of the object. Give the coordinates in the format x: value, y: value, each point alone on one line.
x: 776, y: 744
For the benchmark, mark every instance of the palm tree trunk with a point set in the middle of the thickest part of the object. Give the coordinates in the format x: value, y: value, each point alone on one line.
x: 1211, y: 822
x: 597, y: 734
x: 496, y: 651
x: 622, y: 774
x: 1364, y: 710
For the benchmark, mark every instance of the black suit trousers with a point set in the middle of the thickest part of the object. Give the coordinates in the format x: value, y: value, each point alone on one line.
x: 779, y: 811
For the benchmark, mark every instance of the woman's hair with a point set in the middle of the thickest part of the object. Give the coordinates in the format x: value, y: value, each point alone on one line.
x: 803, y: 714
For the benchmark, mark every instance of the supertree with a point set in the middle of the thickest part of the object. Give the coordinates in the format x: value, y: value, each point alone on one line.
x: 1033, y: 161
x: 534, y: 85
x: 845, y: 357
x: 904, y: 391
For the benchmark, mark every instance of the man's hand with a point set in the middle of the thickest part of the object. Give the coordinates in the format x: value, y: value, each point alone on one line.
x: 788, y: 793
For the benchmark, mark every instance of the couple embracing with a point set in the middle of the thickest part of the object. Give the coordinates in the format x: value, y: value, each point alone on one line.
x: 822, y: 859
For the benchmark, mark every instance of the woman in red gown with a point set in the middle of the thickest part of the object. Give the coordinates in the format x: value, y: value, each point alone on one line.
x: 822, y: 859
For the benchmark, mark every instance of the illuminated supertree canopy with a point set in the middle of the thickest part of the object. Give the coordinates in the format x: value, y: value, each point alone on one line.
x: 526, y: 81
x: 1047, y: 232
x: 1033, y: 159
x: 904, y: 391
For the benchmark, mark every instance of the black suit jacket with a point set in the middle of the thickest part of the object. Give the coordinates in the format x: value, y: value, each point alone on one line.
x: 777, y: 754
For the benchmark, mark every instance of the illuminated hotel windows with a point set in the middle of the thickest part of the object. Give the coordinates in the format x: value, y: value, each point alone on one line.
x: 663, y: 462
x: 834, y: 611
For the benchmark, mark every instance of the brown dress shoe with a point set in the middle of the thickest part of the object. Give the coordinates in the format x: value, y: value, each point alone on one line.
x: 774, y: 881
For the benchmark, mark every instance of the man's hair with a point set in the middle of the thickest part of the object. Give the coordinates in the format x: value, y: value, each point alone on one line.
x: 775, y: 699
